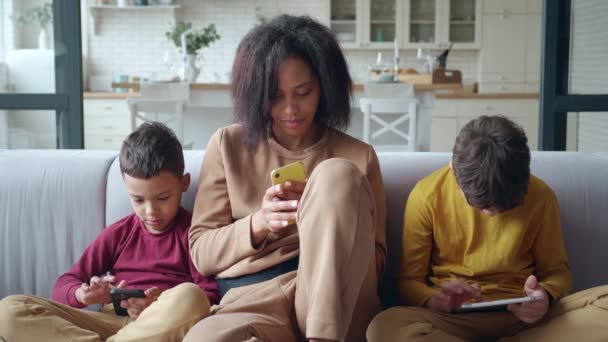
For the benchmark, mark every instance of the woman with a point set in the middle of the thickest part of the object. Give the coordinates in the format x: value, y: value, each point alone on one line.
x: 316, y: 279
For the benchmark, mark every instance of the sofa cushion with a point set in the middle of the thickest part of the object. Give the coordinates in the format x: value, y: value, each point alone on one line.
x: 51, y: 208
x: 117, y: 203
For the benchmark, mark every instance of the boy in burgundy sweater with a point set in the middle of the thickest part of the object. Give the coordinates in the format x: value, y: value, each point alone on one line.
x: 146, y: 250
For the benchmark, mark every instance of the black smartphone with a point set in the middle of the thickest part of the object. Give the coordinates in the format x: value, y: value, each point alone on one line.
x: 119, y: 295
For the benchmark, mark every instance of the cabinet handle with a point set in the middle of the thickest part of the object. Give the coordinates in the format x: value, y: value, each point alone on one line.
x: 489, y: 108
x: 107, y: 108
x: 107, y: 139
x: 501, y: 78
x: 107, y: 127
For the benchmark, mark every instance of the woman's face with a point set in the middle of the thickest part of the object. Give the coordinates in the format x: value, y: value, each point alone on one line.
x: 296, y: 101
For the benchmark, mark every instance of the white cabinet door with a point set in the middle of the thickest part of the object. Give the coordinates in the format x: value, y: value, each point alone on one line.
x: 443, y: 133
x: 503, y: 55
x: 505, y: 6
x: 106, y: 123
x: 503, y: 43
x: 533, y: 46
x: 435, y: 23
x: 450, y: 115
x: 422, y: 23
x: 381, y: 23
x: 366, y: 24
x: 346, y: 22
x: 462, y: 24
x: 534, y: 6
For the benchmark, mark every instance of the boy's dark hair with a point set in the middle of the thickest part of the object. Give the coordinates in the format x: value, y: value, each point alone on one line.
x: 491, y: 161
x: 150, y: 149
x: 255, y: 71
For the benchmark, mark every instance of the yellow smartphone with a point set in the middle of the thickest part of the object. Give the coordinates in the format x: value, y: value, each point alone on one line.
x: 290, y: 172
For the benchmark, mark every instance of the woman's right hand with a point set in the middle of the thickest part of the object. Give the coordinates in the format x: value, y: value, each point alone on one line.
x: 279, y: 206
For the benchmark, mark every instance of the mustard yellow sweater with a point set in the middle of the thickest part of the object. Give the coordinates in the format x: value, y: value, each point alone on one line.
x: 444, y: 237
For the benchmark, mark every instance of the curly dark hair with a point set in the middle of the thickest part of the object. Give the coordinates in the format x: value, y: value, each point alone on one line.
x: 491, y: 162
x: 150, y: 149
x: 255, y: 73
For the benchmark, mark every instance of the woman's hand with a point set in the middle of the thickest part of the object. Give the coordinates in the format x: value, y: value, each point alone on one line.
x: 531, y: 312
x: 279, y: 206
x: 452, y: 294
x: 135, y: 306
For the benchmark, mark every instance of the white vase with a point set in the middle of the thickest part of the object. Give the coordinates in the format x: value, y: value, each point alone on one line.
x: 192, y: 70
x: 43, y: 39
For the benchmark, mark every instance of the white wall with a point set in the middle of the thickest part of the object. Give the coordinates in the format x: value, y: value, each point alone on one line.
x: 589, y: 67
x: 133, y: 42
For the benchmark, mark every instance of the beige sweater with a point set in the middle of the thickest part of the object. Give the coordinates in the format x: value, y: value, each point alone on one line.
x: 232, y: 184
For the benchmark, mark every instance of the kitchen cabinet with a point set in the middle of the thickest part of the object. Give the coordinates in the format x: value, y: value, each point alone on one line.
x: 509, y: 61
x: 510, y: 55
x: 450, y: 115
x: 373, y: 24
x: 512, y: 6
x: 106, y: 123
x: 505, y: 7
x: 433, y: 24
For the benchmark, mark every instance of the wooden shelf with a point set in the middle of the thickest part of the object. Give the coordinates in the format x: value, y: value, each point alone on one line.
x: 145, y: 8
x: 95, y: 9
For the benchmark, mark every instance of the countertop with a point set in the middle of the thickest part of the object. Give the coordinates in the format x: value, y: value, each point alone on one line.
x: 442, y: 91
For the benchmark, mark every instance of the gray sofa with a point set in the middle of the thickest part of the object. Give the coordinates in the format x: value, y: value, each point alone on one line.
x: 54, y: 203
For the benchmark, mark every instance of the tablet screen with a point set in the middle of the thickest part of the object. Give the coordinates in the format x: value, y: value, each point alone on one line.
x: 493, y: 305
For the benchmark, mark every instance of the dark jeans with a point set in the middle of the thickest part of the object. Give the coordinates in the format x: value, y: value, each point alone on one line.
x: 226, y: 284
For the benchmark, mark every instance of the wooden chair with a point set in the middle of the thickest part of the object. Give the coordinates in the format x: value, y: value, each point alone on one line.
x: 402, y: 104
x: 163, y: 102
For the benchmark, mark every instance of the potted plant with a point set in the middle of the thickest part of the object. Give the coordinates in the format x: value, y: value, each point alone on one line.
x: 195, y: 40
x: 42, y: 15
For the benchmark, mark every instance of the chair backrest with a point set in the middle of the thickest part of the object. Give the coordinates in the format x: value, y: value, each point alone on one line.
x: 165, y: 90
x: 166, y: 99
x: 388, y: 90
x: 386, y: 105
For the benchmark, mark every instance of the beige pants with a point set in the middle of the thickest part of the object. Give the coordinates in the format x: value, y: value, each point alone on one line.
x: 30, y: 318
x: 582, y: 316
x: 333, y: 294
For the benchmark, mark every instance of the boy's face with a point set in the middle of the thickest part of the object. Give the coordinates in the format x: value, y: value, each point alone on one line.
x: 156, y: 200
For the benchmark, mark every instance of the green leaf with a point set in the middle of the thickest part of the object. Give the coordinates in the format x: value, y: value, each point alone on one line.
x: 195, y: 40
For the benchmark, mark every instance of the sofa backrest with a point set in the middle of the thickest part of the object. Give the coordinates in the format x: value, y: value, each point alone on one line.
x: 54, y: 203
x: 51, y: 208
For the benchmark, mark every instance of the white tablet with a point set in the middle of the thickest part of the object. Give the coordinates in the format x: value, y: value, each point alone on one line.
x: 493, y: 305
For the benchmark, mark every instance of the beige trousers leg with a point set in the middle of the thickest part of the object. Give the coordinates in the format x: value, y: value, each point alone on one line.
x: 582, y: 316
x: 421, y: 324
x: 333, y: 294
x: 31, y: 318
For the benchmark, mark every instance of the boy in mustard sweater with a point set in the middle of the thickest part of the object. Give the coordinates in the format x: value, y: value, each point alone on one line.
x: 484, y: 228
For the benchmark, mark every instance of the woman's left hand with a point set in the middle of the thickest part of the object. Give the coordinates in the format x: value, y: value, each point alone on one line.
x: 531, y: 312
x: 135, y: 306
